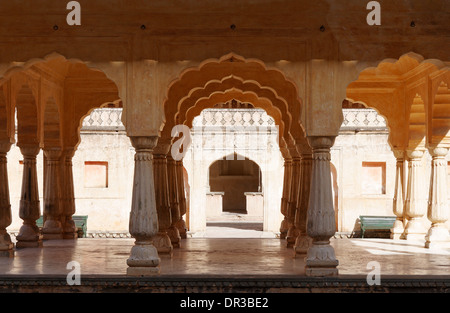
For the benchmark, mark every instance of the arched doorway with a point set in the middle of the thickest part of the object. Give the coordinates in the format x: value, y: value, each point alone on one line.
x: 235, y: 177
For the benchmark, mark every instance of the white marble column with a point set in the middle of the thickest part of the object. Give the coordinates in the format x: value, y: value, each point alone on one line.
x: 303, y: 241
x: 162, y: 240
x: 52, y: 228
x: 173, y: 232
x: 181, y: 224
x: 285, y: 197
x: 68, y: 196
x: 6, y: 245
x: 320, y: 258
x: 292, y: 232
x: 398, y: 201
x: 416, y: 203
x: 438, y: 208
x: 29, y: 209
x: 144, y: 259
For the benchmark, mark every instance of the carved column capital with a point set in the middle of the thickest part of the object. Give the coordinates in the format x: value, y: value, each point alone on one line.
x: 143, y: 143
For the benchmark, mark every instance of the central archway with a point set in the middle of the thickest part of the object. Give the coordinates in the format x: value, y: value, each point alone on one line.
x: 234, y: 78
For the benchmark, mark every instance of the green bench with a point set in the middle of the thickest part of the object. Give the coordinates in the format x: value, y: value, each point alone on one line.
x: 79, y: 220
x: 376, y: 223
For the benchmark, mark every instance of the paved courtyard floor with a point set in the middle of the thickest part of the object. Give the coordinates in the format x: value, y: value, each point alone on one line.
x: 234, y: 257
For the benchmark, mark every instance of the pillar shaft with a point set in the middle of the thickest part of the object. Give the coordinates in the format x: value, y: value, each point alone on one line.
x: 292, y: 233
x: 415, y: 204
x: 144, y: 259
x: 398, y: 200
x: 29, y: 209
x: 162, y: 240
x: 68, y: 196
x: 438, y: 209
x: 174, y: 234
x: 6, y: 245
x: 52, y: 228
x: 285, y: 197
x: 321, y: 259
x: 303, y: 241
x: 181, y: 224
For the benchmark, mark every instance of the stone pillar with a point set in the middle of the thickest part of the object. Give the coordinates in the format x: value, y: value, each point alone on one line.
x: 292, y: 232
x: 29, y: 209
x: 52, y: 209
x: 6, y: 245
x: 162, y: 240
x: 68, y: 196
x: 398, y: 201
x: 321, y: 259
x: 144, y: 259
x: 181, y: 224
x: 303, y: 241
x: 173, y: 232
x: 438, y: 208
x: 285, y: 197
x: 416, y: 203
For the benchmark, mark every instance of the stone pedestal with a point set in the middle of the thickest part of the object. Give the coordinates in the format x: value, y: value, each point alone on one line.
x: 416, y: 203
x: 438, y: 208
x: 398, y: 202
x: 52, y: 228
x: 29, y: 209
x: 144, y: 259
x: 321, y: 259
x: 6, y: 245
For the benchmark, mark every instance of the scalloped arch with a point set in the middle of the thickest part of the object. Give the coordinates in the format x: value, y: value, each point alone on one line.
x: 228, y: 65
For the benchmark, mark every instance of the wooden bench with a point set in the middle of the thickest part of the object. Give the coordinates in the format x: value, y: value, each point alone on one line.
x: 376, y: 222
x: 79, y: 220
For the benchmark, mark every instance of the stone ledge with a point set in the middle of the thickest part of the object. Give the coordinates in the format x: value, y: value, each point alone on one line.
x: 252, y: 284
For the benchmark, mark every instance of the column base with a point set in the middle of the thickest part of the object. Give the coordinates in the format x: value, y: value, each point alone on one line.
x: 52, y: 230
x: 437, y: 237
x: 182, y: 229
x: 29, y: 244
x: 70, y: 235
x: 7, y: 253
x: 414, y: 230
x: 28, y: 237
x: 6, y: 245
x: 291, y: 237
x: 283, y: 229
x: 143, y: 260
x: 397, y: 230
x: 302, y: 244
x: 162, y: 243
x: 52, y: 236
x: 174, y: 236
x: 321, y: 260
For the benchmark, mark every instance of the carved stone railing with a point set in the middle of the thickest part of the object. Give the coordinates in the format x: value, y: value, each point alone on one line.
x: 363, y: 119
x: 233, y: 117
x: 110, y: 119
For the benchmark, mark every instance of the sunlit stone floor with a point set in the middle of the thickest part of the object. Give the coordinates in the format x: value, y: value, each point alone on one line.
x: 228, y: 256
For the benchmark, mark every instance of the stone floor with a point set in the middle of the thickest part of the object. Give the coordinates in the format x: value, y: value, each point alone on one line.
x: 232, y: 257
